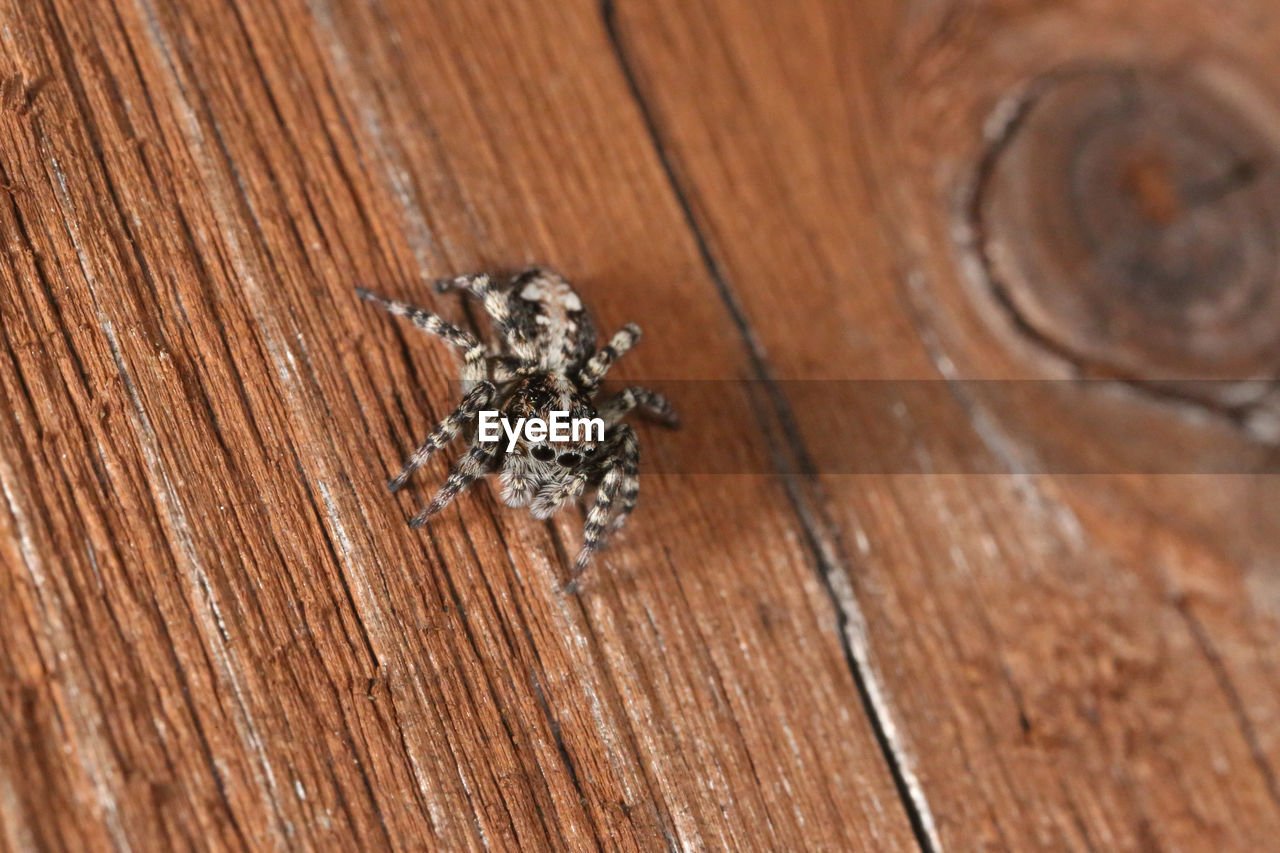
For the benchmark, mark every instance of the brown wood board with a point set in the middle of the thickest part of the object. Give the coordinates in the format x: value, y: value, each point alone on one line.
x: 218, y: 630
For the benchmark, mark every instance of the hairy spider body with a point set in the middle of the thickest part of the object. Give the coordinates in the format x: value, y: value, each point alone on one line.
x: 546, y: 361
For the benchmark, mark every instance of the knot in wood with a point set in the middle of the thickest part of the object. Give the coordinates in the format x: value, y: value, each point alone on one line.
x: 1130, y: 220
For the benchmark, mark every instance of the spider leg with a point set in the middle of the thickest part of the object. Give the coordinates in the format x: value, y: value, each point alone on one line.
x: 465, y: 471
x: 506, y: 368
x: 595, y: 369
x: 629, y: 488
x: 477, y: 283
x: 473, y: 352
x: 619, y: 484
x: 652, y: 403
x: 446, y: 431
x: 494, y: 297
x: 628, y: 494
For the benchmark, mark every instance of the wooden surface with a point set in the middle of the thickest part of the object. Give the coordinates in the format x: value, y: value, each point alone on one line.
x: 218, y: 631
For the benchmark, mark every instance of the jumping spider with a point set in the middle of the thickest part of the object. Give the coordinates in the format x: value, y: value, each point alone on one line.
x: 546, y: 361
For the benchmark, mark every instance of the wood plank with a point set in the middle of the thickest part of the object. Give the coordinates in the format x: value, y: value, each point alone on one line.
x: 1060, y: 661
x: 218, y: 631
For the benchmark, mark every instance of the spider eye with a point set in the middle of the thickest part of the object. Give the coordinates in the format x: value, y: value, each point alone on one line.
x: 569, y: 460
x: 543, y: 453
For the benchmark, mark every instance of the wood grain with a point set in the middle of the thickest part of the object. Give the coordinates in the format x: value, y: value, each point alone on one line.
x: 1063, y: 661
x: 218, y: 631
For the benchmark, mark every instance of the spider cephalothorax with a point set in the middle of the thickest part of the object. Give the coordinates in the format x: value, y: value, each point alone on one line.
x: 546, y: 361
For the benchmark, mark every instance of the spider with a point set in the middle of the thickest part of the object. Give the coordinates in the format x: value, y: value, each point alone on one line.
x: 547, y: 361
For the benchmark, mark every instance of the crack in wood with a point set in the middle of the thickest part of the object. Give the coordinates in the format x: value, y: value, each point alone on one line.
x: 830, y: 562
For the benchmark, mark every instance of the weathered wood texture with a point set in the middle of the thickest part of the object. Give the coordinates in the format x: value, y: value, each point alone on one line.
x: 1068, y: 662
x: 217, y: 630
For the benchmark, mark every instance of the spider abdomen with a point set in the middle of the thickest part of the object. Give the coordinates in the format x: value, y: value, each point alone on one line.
x: 554, y: 330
